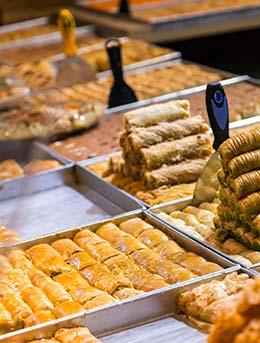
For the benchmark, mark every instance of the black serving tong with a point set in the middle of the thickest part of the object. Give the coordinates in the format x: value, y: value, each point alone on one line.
x: 124, y: 8
x: 217, y: 108
x: 121, y: 93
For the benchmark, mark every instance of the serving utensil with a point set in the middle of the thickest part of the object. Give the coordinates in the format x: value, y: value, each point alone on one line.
x: 72, y: 69
x: 121, y: 93
x: 217, y: 109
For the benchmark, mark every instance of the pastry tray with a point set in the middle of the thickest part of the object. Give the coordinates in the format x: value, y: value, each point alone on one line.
x: 179, y: 205
x: 129, y: 313
x: 152, y: 61
x: 58, y: 199
x: 172, y: 28
x: 41, y: 38
x: 85, y: 164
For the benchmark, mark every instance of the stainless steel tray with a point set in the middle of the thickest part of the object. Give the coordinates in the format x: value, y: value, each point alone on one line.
x: 48, y: 37
x: 129, y: 313
x: 58, y: 199
x: 172, y: 29
x: 85, y: 164
x: 179, y: 205
x: 256, y: 267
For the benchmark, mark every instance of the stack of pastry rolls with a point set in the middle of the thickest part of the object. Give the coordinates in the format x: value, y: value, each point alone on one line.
x: 163, y: 145
x: 239, y: 190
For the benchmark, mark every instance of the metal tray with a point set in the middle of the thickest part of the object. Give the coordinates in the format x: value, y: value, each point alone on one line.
x: 47, y: 37
x: 172, y: 28
x: 256, y: 267
x: 92, y: 161
x: 179, y: 205
x: 58, y: 199
x: 143, y: 308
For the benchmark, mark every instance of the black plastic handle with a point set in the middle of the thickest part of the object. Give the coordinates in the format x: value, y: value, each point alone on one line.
x: 217, y: 108
x: 113, y: 48
x: 124, y: 7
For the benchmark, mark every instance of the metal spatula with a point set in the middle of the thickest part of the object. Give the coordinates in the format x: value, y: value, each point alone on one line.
x: 217, y: 108
x: 72, y: 69
x: 121, y: 93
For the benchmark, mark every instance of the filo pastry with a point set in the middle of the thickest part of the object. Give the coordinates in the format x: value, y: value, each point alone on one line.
x: 184, y: 172
x: 176, y: 151
x: 145, y: 137
x: 156, y: 114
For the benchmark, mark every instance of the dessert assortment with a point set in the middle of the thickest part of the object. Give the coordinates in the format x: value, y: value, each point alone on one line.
x: 202, y: 305
x: 10, y: 169
x: 48, y: 281
x: 164, y: 150
x: 47, y: 119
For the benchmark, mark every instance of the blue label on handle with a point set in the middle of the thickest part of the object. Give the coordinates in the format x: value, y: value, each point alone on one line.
x: 219, y: 106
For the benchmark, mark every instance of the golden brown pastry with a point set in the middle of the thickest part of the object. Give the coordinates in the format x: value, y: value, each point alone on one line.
x: 66, y: 308
x: 38, y: 166
x: 66, y: 247
x: 6, y: 321
x: 10, y: 169
x: 36, y: 299
x: 39, y: 317
x: 75, y: 335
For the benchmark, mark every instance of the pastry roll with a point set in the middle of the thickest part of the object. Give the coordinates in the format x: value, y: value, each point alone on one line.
x: 85, y: 237
x: 84, y: 294
x: 196, y: 146
x: 5, y: 266
x: 184, y: 172
x: 128, y: 244
x: 195, y: 263
x: 100, y: 277
x: 16, y: 279
x: 121, y: 264
x: 209, y: 207
x: 36, y: 299
x: 70, y: 280
x: 204, y: 216
x: 151, y: 261
x: 250, y: 205
x: 152, y: 237
x: 125, y: 293
x: 102, y: 251
x: 255, y: 224
x: 67, y: 308
x: 155, y: 114
x: 98, y: 301
x: 39, y: 318
x: 135, y: 226
x: 18, y: 260
x: 6, y: 321
x: 81, y: 260
x: 4, y: 288
x: 145, y: 137
x: 10, y: 169
x: 81, y: 335
x: 18, y: 309
x: 245, y: 184
x: 48, y: 260
x: 239, y: 144
x: 54, y: 291
x: 168, y: 249
x: 8, y: 236
x: 222, y: 178
x: 244, y: 163
x: 66, y: 247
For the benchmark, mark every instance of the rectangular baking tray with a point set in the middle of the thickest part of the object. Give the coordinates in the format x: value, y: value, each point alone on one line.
x: 125, y: 314
x: 179, y: 205
x: 59, y: 199
x: 172, y: 29
x: 85, y: 164
x: 47, y: 37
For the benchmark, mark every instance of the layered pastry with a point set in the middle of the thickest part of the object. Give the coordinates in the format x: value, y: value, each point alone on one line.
x: 32, y: 119
x: 7, y: 235
x: 91, y: 270
x: 164, y: 150
x: 27, y: 32
x: 202, y: 223
x: 239, y: 190
x: 68, y: 335
x: 239, y: 320
x: 10, y: 169
x: 202, y: 304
